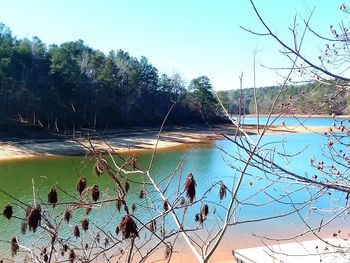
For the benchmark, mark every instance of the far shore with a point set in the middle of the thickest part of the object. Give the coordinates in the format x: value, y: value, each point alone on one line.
x: 302, y: 115
x: 134, y: 140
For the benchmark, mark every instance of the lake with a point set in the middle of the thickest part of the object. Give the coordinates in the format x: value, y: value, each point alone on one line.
x: 208, y: 163
x: 290, y: 120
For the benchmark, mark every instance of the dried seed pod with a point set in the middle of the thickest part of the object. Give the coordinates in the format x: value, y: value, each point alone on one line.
x: 182, y: 201
x: 222, y: 191
x: 330, y: 143
x: 14, y: 246
x: 24, y: 227
x: 43, y: 253
x: 118, y: 204
x: 72, y: 256
x: 8, y: 211
x: 65, y: 247
x: 95, y: 192
x: 165, y: 205
x: 168, y: 251
x: 128, y: 227
x: 34, y: 217
x: 81, y: 184
x: 85, y: 224
x: 250, y: 182
x: 100, y: 166
x: 88, y: 210
x: 53, y: 238
x: 133, y: 208
x: 141, y: 194
x: 153, y: 225
x: 76, y: 231
x: 98, y: 238
x: 117, y: 230
x: 126, y: 186
x: 196, y: 217
x: 106, y: 242
x: 67, y: 215
x: 204, y: 210
x: 52, y: 196
x: 190, y: 187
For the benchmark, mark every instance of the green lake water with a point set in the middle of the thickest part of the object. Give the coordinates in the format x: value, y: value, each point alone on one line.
x: 207, y: 163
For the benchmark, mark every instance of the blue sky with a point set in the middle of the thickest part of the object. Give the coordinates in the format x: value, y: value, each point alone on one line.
x: 191, y: 37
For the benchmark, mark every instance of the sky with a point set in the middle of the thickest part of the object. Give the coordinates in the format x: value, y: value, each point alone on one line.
x: 190, y: 37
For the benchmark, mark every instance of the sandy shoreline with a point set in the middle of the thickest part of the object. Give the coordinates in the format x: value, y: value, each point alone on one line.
x: 124, y: 140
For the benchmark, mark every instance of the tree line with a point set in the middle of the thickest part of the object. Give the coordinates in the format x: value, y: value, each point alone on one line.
x: 307, y: 98
x: 58, y: 86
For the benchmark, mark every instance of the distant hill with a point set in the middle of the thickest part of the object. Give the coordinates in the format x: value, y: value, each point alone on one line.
x: 309, y: 98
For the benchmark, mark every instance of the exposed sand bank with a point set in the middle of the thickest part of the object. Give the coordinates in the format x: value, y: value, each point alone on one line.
x: 125, y: 140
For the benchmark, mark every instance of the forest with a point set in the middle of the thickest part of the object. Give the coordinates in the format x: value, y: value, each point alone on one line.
x: 73, y: 85
x: 306, y: 98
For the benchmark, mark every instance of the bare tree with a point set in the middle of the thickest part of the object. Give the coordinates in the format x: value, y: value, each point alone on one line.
x: 64, y: 231
x: 330, y: 174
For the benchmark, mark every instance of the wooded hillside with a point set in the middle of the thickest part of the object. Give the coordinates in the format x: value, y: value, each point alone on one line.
x: 309, y: 98
x: 59, y: 87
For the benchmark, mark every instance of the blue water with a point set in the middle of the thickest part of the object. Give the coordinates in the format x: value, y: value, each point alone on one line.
x: 288, y: 120
x: 264, y: 192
